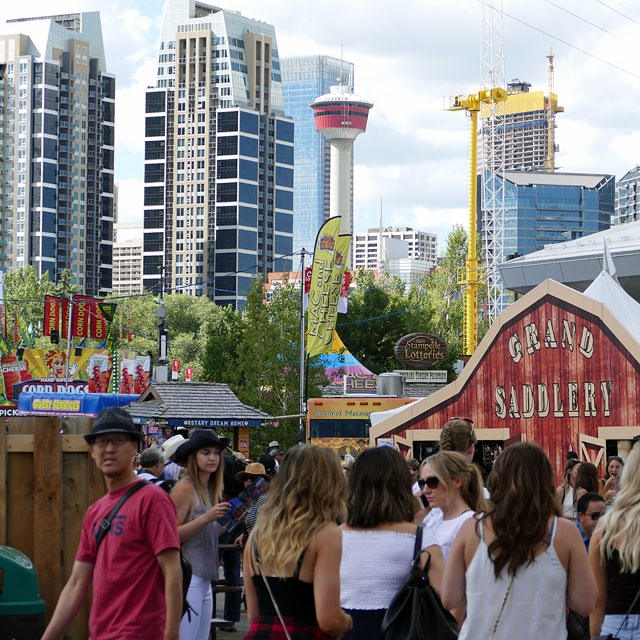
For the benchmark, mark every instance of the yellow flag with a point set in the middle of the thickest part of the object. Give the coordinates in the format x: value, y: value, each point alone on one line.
x: 329, y: 263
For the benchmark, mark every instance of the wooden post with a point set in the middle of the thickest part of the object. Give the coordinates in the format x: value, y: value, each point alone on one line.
x: 47, y: 510
x: 3, y: 485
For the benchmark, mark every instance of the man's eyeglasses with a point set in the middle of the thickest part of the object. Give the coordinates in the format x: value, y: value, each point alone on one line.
x: 116, y: 442
x: 594, y: 516
x: 432, y: 482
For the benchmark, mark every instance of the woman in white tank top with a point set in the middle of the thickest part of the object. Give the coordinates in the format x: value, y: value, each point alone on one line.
x: 518, y: 568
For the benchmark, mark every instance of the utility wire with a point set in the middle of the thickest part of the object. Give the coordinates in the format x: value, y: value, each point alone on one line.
x: 568, y: 44
x: 593, y: 24
x: 604, y: 4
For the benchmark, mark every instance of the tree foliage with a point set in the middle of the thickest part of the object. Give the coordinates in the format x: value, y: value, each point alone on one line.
x: 256, y: 352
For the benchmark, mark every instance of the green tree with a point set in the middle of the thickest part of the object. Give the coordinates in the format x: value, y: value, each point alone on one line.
x: 259, y: 358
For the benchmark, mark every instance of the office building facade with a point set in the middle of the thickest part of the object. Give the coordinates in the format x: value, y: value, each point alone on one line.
x: 628, y: 197
x: 127, y: 260
x: 57, y: 153
x: 218, y: 194
x: 544, y: 208
x: 421, y: 245
x: 304, y: 79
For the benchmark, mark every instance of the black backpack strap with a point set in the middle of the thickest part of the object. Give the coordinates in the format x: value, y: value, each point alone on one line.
x: 105, y: 524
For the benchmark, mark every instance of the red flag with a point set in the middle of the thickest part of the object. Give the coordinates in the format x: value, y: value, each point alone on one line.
x: 51, y: 314
x: 98, y: 327
x: 80, y: 322
x: 16, y: 335
x: 129, y: 335
x: 64, y: 330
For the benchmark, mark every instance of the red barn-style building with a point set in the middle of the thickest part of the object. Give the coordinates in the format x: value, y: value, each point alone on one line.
x: 557, y: 368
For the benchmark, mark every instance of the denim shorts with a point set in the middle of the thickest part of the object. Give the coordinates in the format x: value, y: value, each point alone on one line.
x: 630, y: 629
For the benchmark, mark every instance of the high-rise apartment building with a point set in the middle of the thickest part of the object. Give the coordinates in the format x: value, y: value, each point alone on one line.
x: 628, y: 197
x: 420, y: 246
x: 57, y: 149
x: 527, y: 127
x: 304, y: 79
x: 218, y: 195
x: 127, y: 260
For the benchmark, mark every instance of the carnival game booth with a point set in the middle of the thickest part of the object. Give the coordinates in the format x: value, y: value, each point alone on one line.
x: 557, y: 367
x: 166, y: 406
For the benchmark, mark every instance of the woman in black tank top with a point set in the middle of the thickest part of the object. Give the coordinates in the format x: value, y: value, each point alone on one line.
x: 292, y: 558
x: 614, y: 554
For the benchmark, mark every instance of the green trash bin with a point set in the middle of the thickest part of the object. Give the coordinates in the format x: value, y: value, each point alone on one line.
x: 21, y: 608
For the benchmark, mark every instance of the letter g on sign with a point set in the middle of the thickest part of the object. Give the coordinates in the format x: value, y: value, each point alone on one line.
x: 515, y: 348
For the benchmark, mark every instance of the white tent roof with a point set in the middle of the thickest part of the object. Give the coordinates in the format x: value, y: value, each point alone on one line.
x: 606, y: 289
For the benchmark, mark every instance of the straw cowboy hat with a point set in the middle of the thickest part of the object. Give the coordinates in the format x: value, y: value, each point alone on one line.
x: 171, y: 445
x: 253, y: 471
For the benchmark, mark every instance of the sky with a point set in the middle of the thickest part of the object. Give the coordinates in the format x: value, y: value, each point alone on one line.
x: 409, y: 56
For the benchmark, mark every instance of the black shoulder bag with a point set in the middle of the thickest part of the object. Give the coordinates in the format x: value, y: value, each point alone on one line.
x: 416, y: 613
x: 106, y: 523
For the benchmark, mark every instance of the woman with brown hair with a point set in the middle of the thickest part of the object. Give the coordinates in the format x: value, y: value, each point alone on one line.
x: 610, y: 484
x: 586, y: 480
x: 518, y: 567
x: 453, y: 487
x: 197, y: 501
x: 458, y: 435
x: 292, y: 557
x: 565, y: 493
x: 380, y: 509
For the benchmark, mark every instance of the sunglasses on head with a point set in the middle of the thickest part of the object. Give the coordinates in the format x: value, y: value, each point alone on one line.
x: 432, y: 482
x: 594, y: 516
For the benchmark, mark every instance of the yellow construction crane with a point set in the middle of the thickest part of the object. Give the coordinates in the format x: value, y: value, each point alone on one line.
x: 469, y: 280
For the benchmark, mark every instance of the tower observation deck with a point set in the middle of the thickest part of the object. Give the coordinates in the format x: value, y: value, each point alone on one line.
x: 341, y: 116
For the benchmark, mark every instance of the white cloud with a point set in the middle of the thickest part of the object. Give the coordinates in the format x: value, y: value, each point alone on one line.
x: 130, y: 199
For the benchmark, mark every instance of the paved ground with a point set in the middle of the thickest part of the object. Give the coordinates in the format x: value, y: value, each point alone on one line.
x: 242, y: 626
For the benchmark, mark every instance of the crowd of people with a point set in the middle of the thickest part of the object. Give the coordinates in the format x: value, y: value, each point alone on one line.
x: 326, y: 549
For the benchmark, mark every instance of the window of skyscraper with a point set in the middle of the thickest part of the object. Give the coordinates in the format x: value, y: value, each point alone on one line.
x: 155, y: 101
x: 227, y: 145
x: 228, y: 121
x: 284, y: 130
x: 154, y: 149
x: 154, y: 126
x: 227, y: 192
x: 249, y: 122
x: 227, y: 169
x: 284, y: 154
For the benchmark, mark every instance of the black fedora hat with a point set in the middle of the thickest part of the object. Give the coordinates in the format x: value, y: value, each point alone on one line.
x: 113, y: 420
x: 199, y: 439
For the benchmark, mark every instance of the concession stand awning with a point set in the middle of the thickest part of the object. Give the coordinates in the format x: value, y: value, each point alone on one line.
x: 69, y: 405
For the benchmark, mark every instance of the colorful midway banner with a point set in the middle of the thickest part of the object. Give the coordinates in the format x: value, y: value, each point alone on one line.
x: 329, y: 263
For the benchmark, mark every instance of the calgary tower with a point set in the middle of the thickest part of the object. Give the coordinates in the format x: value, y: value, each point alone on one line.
x: 341, y: 116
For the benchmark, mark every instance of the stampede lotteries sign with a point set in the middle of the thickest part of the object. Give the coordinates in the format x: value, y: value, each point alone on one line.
x: 421, y: 350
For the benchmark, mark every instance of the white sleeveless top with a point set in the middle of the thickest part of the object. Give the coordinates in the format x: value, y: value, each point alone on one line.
x: 568, y: 508
x: 536, y: 606
x: 375, y: 565
x: 445, y: 531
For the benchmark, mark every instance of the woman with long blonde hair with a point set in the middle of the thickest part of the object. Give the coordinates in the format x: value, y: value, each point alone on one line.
x: 453, y: 486
x: 614, y: 554
x: 292, y: 557
x: 198, y: 507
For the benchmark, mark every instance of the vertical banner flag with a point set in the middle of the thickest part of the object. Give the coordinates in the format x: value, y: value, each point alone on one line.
x: 80, y: 322
x: 329, y: 263
x: 108, y: 310
x: 343, y: 305
x: 16, y: 335
x: 129, y: 321
x: 98, y: 327
x: 5, y: 334
x: 51, y: 314
x: 5, y: 349
x: 64, y: 329
x: 1, y: 292
x: 307, y: 286
x: 23, y: 331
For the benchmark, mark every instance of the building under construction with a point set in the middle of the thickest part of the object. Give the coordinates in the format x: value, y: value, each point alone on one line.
x: 529, y: 129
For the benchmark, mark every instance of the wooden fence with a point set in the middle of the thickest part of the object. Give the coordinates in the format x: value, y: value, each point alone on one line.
x: 47, y: 481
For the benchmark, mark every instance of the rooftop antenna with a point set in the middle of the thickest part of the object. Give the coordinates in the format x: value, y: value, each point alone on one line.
x: 341, y: 77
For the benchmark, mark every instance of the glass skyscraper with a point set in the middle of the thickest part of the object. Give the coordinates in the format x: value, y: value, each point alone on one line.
x: 628, y: 197
x: 218, y: 194
x: 305, y: 78
x: 543, y: 208
x: 57, y: 108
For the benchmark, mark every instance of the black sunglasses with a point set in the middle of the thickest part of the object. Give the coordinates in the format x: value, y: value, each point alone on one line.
x: 594, y: 516
x: 432, y: 482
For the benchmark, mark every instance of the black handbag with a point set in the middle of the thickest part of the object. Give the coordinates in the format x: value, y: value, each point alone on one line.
x: 416, y: 613
x: 609, y: 636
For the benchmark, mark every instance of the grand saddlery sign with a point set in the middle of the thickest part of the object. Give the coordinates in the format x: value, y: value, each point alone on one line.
x: 556, y: 368
x: 572, y: 399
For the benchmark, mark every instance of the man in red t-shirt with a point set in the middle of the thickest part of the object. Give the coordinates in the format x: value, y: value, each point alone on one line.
x: 137, y: 583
